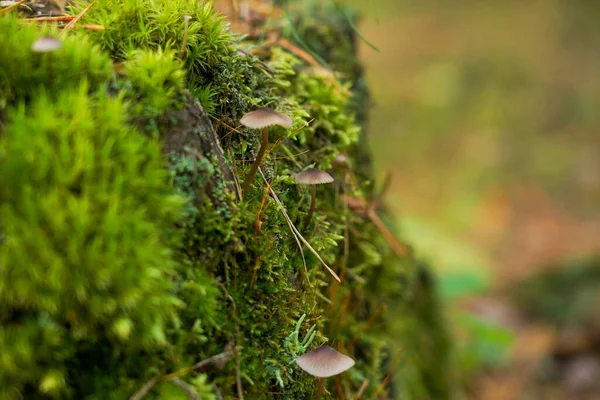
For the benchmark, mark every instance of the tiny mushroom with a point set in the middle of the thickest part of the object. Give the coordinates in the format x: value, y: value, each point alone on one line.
x: 324, y: 362
x: 313, y: 177
x: 340, y: 160
x: 46, y: 44
x: 262, y: 119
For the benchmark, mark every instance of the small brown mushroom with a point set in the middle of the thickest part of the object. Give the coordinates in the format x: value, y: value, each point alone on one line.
x: 324, y: 362
x: 46, y: 44
x: 262, y: 118
x: 313, y: 177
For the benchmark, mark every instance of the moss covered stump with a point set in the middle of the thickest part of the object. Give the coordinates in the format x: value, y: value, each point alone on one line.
x: 131, y: 263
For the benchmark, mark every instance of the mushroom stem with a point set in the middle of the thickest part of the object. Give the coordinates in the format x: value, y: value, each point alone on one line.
x: 257, y: 161
x: 320, y: 389
x: 313, y: 191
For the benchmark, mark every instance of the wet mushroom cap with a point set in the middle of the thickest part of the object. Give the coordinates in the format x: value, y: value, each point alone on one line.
x: 313, y: 176
x: 264, y: 117
x: 46, y: 44
x: 325, y: 362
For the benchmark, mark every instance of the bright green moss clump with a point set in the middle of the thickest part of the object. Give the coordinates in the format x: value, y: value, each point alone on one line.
x: 23, y: 72
x: 214, y: 68
x: 155, y: 82
x: 85, y: 204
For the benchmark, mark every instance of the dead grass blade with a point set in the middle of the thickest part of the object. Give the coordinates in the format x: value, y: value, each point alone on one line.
x: 62, y: 18
x: 297, y: 233
x: 77, y: 18
x: 397, y: 246
x: 289, y: 222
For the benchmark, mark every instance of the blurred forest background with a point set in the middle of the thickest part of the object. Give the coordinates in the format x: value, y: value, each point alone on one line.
x: 486, y: 114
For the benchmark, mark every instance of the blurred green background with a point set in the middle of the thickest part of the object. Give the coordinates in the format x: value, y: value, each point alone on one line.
x: 486, y: 113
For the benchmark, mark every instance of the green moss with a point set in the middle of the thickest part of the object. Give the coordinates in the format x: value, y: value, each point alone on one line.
x: 155, y: 83
x: 222, y: 77
x: 23, y: 72
x: 85, y: 205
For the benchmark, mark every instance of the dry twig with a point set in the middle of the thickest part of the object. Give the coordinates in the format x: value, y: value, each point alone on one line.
x: 297, y: 234
x: 62, y: 18
x: 177, y: 374
x: 13, y: 6
x: 192, y: 395
x: 78, y: 17
x: 363, y: 208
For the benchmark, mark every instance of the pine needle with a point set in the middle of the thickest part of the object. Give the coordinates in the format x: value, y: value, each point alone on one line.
x: 77, y: 18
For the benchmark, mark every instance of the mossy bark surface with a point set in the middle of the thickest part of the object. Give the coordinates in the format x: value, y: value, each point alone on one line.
x: 127, y: 253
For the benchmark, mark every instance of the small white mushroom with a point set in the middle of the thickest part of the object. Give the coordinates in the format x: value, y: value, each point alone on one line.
x: 325, y: 362
x: 46, y: 44
x: 265, y: 117
x: 313, y: 177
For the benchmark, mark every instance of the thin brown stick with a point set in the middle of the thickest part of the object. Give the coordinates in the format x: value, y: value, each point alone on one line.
x: 383, y: 384
x: 364, y: 385
x: 290, y: 224
x: 145, y: 389
x: 12, y: 6
x: 258, y: 221
x: 300, y: 53
x: 398, y: 247
x: 92, y: 27
x: 62, y: 18
x: 363, y: 208
x: 192, y: 395
x: 297, y: 233
x: 231, y: 130
x: 186, y: 22
x: 78, y: 17
x: 176, y: 375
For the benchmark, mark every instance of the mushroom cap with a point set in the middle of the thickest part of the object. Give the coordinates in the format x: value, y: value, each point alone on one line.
x: 264, y: 117
x: 340, y: 159
x: 46, y: 44
x: 313, y: 176
x: 325, y: 362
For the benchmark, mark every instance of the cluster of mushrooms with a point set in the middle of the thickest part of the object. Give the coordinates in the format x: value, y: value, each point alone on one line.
x: 262, y: 119
x: 324, y: 361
